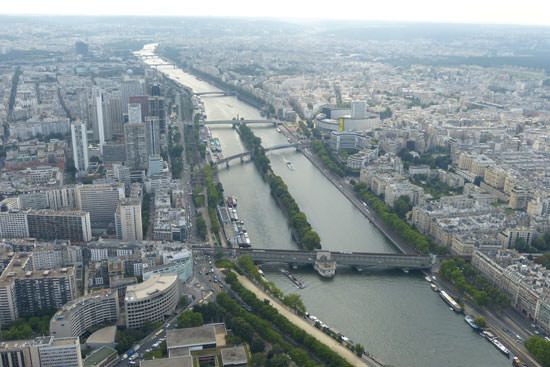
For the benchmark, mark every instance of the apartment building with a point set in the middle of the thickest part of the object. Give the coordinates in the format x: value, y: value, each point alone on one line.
x: 151, y: 300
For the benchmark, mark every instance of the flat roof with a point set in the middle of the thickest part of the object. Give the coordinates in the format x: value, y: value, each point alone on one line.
x: 234, y: 355
x: 19, y: 267
x: 156, y: 283
x: 185, y: 361
x: 98, y: 355
x: 180, y: 338
x: 104, y: 335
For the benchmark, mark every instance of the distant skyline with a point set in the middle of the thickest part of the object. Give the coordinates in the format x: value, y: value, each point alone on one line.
x: 527, y: 12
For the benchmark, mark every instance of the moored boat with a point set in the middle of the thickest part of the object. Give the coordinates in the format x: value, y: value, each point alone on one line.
x: 450, y: 301
x: 470, y: 321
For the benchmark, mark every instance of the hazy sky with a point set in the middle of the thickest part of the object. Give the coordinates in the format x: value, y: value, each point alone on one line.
x: 476, y: 11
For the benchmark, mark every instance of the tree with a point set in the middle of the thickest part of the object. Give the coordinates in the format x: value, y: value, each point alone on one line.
x: 359, y: 349
x: 257, y: 345
x: 294, y: 301
x: 540, y: 349
x: 242, y: 328
x: 259, y: 360
x: 402, y: 206
x: 480, y: 321
x: 189, y: 319
x: 311, y: 240
x: 201, y: 227
x: 278, y: 360
x: 521, y: 245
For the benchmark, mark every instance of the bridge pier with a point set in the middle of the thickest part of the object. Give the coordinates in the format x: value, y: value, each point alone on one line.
x: 242, y: 159
x: 227, y: 164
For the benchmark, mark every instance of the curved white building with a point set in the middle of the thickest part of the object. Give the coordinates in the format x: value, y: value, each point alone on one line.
x: 151, y: 300
x: 84, y: 313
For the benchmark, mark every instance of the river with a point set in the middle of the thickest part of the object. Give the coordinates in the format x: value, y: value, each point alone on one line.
x: 395, y: 316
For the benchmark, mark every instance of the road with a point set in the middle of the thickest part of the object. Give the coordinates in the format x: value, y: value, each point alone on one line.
x: 345, y: 353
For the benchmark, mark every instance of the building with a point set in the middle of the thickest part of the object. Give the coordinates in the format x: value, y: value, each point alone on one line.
x: 183, y: 361
x: 151, y: 300
x: 179, y: 262
x: 347, y: 141
x: 25, y: 292
x: 134, y: 113
x: 104, y: 337
x: 115, y: 115
x: 234, y: 356
x: 157, y: 108
x: 128, y: 220
x: 181, y: 342
x: 358, y: 110
x: 70, y: 225
x: 526, y: 283
x: 509, y: 237
x: 129, y: 88
x: 79, y: 139
x: 102, y: 357
x: 99, y: 122
x: 44, y: 351
x: 101, y: 201
x: 143, y: 101
x: 62, y: 352
x: 13, y: 224
x: 136, y: 145
x: 48, y: 257
x: 395, y: 190
x: 85, y: 313
x: 152, y: 132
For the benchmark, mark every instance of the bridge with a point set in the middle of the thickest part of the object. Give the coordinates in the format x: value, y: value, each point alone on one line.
x: 243, y: 155
x: 360, y: 260
x: 213, y: 93
x: 235, y: 123
x: 162, y: 64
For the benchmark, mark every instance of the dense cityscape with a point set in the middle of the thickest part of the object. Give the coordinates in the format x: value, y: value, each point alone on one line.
x: 259, y: 192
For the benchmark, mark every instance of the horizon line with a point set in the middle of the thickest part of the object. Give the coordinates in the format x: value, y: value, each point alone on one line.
x: 280, y: 18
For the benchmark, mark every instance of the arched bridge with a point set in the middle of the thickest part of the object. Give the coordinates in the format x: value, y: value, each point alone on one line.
x: 243, y: 122
x: 363, y: 260
x: 215, y: 93
x: 243, y: 155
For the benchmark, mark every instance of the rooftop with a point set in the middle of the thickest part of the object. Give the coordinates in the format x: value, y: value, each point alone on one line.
x: 103, y: 336
x: 234, y: 356
x: 179, y: 338
x: 98, y: 355
x: 20, y: 267
x: 157, y: 283
x: 185, y: 361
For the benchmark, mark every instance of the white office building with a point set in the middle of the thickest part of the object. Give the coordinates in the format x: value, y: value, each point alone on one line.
x: 358, y: 110
x: 128, y: 220
x: 79, y: 139
x: 134, y: 113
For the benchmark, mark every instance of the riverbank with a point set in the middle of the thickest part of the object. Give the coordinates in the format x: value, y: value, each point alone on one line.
x: 495, y: 324
x: 347, y: 190
x: 307, y: 327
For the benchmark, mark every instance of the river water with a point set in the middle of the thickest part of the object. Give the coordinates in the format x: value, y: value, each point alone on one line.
x: 395, y: 316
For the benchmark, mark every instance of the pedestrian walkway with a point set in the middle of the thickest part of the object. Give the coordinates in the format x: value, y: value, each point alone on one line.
x: 345, y: 353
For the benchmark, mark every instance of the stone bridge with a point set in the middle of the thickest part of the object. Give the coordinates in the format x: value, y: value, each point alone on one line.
x: 236, y: 123
x: 359, y: 260
x: 243, y: 155
x: 215, y: 93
